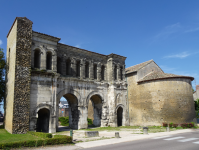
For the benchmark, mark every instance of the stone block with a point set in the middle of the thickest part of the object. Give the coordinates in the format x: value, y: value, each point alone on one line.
x: 91, y: 133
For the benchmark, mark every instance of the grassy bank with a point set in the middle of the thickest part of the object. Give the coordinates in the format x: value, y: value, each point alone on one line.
x: 7, y: 137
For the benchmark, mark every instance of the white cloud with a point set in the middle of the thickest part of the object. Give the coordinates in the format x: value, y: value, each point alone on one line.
x: 192, y: 30
x: 168, y: 30
x: 1, y: 42
x: 180, y: 55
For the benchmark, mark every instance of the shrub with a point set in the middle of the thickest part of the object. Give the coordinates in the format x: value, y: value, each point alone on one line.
x: 165, y: 124
x: 175, y: 125
x: 90, y: 122
x: 40, y: 134
x: 35, y: 143
x: 1, y: 126
x: 171, y: 124
x: 187, y: 125
x: 64, y: 121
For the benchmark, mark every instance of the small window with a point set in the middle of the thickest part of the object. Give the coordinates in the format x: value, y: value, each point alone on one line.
x: 121, y: 74
x: 87, y: 70
x: 58, y: 65
x: 68, y: 67
x: 49, y: 61
x: 95, y: 71
x: 115, y: 73
x: 37, y: 58
x: 78, y: 69
x: 102, y: 72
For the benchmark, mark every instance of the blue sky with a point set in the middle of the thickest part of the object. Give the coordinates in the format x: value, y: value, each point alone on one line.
x: 166, y: 31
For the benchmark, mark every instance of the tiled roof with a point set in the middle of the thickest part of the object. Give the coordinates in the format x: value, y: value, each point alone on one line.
x: 161, y: 75
x: 137, y: 67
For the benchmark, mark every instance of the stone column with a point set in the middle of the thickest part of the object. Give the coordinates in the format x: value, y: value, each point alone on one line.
x: 99, y: 69
x: 54, y: 61
x: 42, y: 60
x: 73, y: 67
x: 118, y: 73
x: 83, y: 123
x: 123, y: 73
x: 105, y: 73
x: 91, y: 75
x: 82, y: 69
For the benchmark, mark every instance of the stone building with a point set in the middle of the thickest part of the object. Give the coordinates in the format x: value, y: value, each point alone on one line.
x: 41, y: 70
x: 155, y: 97
x: 196, y: 93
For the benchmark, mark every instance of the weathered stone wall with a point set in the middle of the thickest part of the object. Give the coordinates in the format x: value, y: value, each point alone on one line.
x: 155, y: 102
x: 21, y: 73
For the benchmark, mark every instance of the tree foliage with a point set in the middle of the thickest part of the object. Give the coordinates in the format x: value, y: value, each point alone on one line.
x: 197, y: 108
x: 2, y: 75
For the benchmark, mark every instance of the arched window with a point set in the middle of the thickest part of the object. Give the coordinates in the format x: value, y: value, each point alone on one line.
x: 78, y: 69
x: 87, y: 70
x: 49, y: 61
x: 102, y: 72
x: 58, y: 65
x: 95, y: 71
x: 68, y: 67
x: 121, y: 74
x: 37, y: 58
x: 115, y: 73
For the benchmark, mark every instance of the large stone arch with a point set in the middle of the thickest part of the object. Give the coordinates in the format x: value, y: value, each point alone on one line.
x: 94, y: 93
x: 69, y: 91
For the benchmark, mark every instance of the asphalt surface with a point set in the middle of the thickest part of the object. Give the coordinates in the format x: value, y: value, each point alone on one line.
x: 182, y: 141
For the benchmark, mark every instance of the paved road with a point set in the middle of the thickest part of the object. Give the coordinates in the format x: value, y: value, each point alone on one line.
x: 183, y: 141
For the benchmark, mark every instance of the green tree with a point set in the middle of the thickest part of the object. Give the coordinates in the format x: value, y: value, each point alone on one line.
x: 197, y: 108
x: 2, y: 75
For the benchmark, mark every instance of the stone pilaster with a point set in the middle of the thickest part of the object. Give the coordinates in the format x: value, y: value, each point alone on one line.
x: 73, y: 67
x: 99, y: 69
x: 91, y: 75
x: 123, y: 73
x: 82, y: 69
x: 118, y: 73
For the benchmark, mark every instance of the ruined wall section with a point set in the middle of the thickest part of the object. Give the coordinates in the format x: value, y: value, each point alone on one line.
x: 22, y: 77
x: 155, y: 102
x: 18, y: 85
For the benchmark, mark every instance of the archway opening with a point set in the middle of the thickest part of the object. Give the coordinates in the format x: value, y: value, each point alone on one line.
x: 59, y: 65
x: 95, y: 110
x: 70, y: 110
x: 119, y: 116
x: 49, y: 61
x: 68, y: 67
x: 43, y: 120
x: 37, y: 58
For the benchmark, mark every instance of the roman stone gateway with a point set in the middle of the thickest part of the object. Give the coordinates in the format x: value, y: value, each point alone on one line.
x: 41, y: 70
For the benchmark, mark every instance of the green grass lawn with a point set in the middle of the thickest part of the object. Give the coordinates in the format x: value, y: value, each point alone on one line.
x: 7, y: 137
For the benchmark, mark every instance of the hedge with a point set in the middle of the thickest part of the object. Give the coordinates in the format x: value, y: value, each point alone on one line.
x: 65, y: 121
x: 35, y: 143
x: 40, y: 134
x: 183, y: 125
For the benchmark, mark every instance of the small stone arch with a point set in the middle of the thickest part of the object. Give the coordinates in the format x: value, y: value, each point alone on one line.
x: 41, y: 106
x: 119, y: 95
x: 34, y: 116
